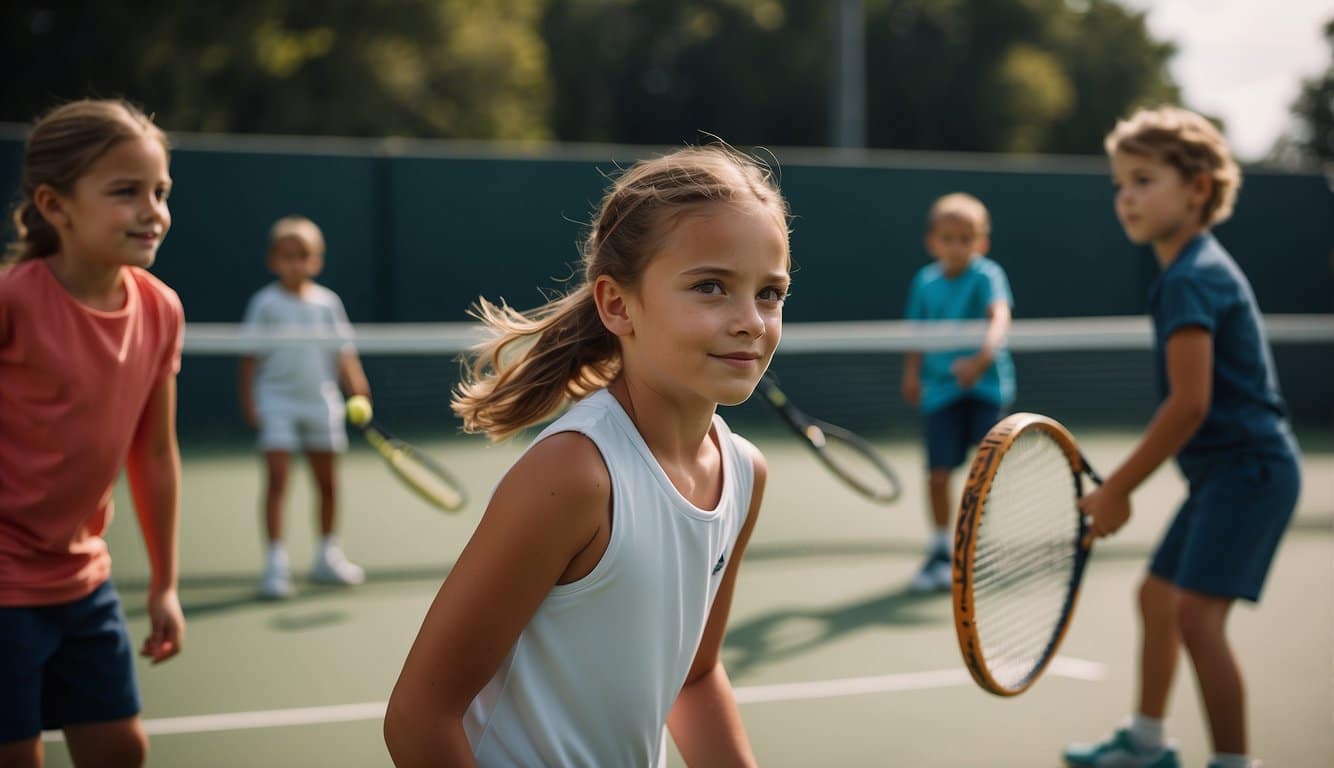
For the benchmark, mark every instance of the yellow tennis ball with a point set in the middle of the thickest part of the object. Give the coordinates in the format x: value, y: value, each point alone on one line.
x: 358, y: 410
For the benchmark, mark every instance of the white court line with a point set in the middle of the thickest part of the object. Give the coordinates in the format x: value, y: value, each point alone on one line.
x: 1061, y: 666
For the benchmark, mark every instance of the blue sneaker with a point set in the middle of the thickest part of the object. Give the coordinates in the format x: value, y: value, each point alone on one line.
x: 1120, y: 751
x: 936, y: 575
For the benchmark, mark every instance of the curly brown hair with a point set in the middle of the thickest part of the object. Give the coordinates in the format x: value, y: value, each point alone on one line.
x: 1189, y: 143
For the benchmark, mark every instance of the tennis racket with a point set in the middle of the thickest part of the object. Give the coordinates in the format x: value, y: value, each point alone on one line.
x: 849, y: 456
x: 418, y: 471
x: 1019, y: 551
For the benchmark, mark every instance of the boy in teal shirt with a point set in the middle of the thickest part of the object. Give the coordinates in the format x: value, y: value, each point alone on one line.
x: 961, y: 392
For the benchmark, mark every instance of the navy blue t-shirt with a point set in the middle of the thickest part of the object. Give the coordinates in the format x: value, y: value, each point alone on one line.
x: 1204, y: 287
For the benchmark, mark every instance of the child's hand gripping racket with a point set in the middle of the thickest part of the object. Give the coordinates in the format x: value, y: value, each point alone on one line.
x: 1020, y: 547
x: 418, y: 471
x: 849, y: 456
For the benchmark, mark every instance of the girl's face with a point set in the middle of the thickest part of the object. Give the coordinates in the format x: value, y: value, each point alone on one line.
x: 117, y: 212
x: 1155, y: 203
x: 708, y: 312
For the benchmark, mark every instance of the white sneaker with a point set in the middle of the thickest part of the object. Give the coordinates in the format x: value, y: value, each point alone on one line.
x: 276, y: 583
x: 936, y: 575
x: 332, y: 567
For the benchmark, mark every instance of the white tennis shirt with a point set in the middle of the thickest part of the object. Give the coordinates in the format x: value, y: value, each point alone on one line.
x: 593, y: 675
x: 300, y: 374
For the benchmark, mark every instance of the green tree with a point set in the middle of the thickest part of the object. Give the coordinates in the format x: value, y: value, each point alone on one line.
x: 988, y: 75
x: 448, y: 68
x: 1114, y: 65
x: 1314, y: 110
x: 1008, y: 75
x: 660, y: 71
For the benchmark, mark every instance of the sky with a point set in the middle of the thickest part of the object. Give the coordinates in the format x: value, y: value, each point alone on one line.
x: 1243, y: 60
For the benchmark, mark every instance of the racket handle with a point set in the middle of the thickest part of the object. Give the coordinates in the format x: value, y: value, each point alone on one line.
x: 1087, y: 540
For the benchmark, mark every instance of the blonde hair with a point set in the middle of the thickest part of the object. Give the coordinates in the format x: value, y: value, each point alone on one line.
x: 536, y: 362
x: 303, y: 231
x: 960, y: 206
x: 1190, y: 144
x: 63, y: 146
x: 298, y: 228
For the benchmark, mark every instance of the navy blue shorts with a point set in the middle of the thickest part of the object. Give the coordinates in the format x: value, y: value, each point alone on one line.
x: 953, y: 429
x: 1224, y: 537
x: 65, y: 664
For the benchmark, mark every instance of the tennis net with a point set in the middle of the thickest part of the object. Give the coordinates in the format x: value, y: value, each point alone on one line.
x: 1078, y: 370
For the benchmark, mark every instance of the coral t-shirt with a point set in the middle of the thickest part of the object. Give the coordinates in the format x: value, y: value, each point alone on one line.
x: 74, y: 383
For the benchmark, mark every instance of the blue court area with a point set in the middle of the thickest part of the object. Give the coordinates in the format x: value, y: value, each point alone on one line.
x: 835, y: 662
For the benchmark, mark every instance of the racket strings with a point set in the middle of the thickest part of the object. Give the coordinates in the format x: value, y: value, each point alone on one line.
x: 1025, y: 557
x: 852, y: 461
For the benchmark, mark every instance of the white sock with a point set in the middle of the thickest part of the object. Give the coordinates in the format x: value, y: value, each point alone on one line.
x: 1147, y: 732
x: 277, y: 555
x: 1230, y: 760
x: 329, y: 543
x: 940, y: 540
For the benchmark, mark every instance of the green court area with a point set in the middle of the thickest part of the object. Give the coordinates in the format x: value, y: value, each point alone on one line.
x: 834, y: 661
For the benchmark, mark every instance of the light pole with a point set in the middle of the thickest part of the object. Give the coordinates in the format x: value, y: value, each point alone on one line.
x: 847, y: 109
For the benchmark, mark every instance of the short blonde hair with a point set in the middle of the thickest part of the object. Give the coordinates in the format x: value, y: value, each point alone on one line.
x: 1190, y: 144
x: 960, y: 206
x: 301, y: 228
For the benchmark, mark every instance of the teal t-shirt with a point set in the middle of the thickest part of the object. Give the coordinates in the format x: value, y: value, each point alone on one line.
x: 966, y: 296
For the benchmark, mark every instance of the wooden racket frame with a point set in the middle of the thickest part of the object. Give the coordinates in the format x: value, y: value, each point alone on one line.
x: 981, y: 474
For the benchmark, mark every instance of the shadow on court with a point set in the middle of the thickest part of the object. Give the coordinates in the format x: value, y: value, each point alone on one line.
x: 241, y: 592
x: 791, y: 632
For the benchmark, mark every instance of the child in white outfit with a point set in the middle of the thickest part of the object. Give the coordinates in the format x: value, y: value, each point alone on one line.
x: 291, y: 396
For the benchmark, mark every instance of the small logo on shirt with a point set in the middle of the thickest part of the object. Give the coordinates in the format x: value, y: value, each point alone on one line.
x: 718, y: 566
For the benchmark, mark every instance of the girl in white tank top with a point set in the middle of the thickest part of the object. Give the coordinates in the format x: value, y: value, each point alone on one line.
x: 588, y: 610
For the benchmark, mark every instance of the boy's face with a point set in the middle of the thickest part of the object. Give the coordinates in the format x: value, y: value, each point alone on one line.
x: 953, y: 241
x: 1153, y: 200
x: 293, y: 262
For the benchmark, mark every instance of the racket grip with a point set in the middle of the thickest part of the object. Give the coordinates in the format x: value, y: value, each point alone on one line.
x: 1086, y: 541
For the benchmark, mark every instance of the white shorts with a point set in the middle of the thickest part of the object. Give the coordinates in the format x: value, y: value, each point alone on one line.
x: 306, y: 425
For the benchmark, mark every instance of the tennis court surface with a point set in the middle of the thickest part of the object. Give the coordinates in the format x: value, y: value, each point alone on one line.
x: 835, y: 662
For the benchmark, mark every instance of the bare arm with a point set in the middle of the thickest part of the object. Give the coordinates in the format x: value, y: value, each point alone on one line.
x: 351, y: 374
x: 1189, y: 356
x: 705, y: 721
x: 998, y: 327
x: 967, y: 370
x: 912, y: 378
x: 154, y: 471
x: 246, y: 394
x: 545, y: 512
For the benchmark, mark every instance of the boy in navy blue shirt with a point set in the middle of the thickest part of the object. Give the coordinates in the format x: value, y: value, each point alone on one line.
x: 961, y: 392
x: 1221, y: 415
